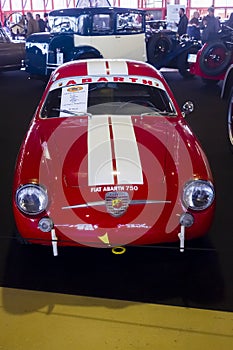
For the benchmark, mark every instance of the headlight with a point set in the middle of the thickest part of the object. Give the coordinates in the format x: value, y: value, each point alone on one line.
x: 198, y: 194
x: 31, y: 199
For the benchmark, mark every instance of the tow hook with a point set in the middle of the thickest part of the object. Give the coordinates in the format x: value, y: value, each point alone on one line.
x: 54, y: 242
x: 181, y: 236
x: 118, y: 250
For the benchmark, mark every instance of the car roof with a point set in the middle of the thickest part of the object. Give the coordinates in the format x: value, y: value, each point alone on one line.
x: 75, y: 12
x: 103, y: 67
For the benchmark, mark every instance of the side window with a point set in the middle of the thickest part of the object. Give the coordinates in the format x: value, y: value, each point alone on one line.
x: 102, y: 23
x: 83, y: 24
x: 51, y: 107
x: 129, y: 23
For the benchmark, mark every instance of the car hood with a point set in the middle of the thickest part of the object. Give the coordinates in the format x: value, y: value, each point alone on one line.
x: 106, y: 150
x: 100, y: 167
x: 111, y: 150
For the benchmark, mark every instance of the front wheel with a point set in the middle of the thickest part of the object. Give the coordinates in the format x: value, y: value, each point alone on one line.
x: 158, y: 47
x: 215, y: 58
x: 230, y: 119
x: 183, y: 64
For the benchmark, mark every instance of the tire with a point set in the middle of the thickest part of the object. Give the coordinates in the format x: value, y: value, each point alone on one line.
x: 215, y: 58
x: 86, y: 56
x: 230, y: 119
x: 183, y: 65
x: 158, y: 48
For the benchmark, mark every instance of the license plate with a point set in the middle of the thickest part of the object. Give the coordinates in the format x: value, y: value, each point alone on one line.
x: 192, y: 58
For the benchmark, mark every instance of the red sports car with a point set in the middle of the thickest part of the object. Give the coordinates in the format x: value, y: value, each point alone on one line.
x: 109, y: 161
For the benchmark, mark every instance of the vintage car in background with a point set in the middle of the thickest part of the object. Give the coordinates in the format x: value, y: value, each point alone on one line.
x: 16, y: 25
x: 80, y: 33
x: 109, y: 161
x: 11, y: 52
x: 165, y: 48
x: 227, y: 94
x: 214, y: 58
x: 154, y: 26
x: 103, y: 32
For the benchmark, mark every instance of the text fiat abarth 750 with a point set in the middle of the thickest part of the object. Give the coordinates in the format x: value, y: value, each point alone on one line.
x: 109, y: 161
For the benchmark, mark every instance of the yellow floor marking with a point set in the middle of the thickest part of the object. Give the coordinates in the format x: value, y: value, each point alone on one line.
x: 40, y: 321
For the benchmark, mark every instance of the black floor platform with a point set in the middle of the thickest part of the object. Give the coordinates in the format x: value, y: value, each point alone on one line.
x: 199, y: 278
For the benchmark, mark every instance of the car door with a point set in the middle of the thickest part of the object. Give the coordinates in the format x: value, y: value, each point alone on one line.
x: 121, y: 37
x: 10, y: 52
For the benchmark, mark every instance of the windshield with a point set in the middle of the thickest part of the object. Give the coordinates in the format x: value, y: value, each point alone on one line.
x: 107, y: 98
x: 63, y: 24
x: 99, y: 23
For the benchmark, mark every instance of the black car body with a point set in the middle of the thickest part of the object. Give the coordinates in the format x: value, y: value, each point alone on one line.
x: 165, y: 48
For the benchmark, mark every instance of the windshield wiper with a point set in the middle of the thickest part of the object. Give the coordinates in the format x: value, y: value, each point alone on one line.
x: 159, y: 113
x: 77, y: 114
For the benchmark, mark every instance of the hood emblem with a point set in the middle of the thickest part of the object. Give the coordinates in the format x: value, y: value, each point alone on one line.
x: 117, y: 203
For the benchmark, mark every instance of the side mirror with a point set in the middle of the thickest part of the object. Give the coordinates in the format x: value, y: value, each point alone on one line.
x: 187, y: 108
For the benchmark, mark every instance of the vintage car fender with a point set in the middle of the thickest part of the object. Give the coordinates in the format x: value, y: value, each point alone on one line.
x: 86, y: 51
x: 227, y: 95
x: 166, y: 48
x: 65, y: 45
x: 37, y: 50
x: 227, y: 83
x: 214, y: 48
x: 203, y: 67
x: 42, y: 52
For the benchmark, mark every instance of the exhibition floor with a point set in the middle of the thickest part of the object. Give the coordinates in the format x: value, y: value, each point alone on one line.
x: 149, y: 297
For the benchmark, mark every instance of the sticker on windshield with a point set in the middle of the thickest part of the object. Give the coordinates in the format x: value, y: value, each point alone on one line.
x: 74, y: 99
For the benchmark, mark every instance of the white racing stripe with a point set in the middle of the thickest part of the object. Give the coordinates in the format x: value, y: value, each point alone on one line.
x: 128, y: 163
x: 100, y: 167
x: 103, y: 67
x: 100, y: 157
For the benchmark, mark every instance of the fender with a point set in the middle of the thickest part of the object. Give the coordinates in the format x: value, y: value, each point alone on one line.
x: 227, y: 83
x: 181, y: 48
x: 64, y: 42
x: 215, y: 58
x: 85, y: 52
x: 186, y: 46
